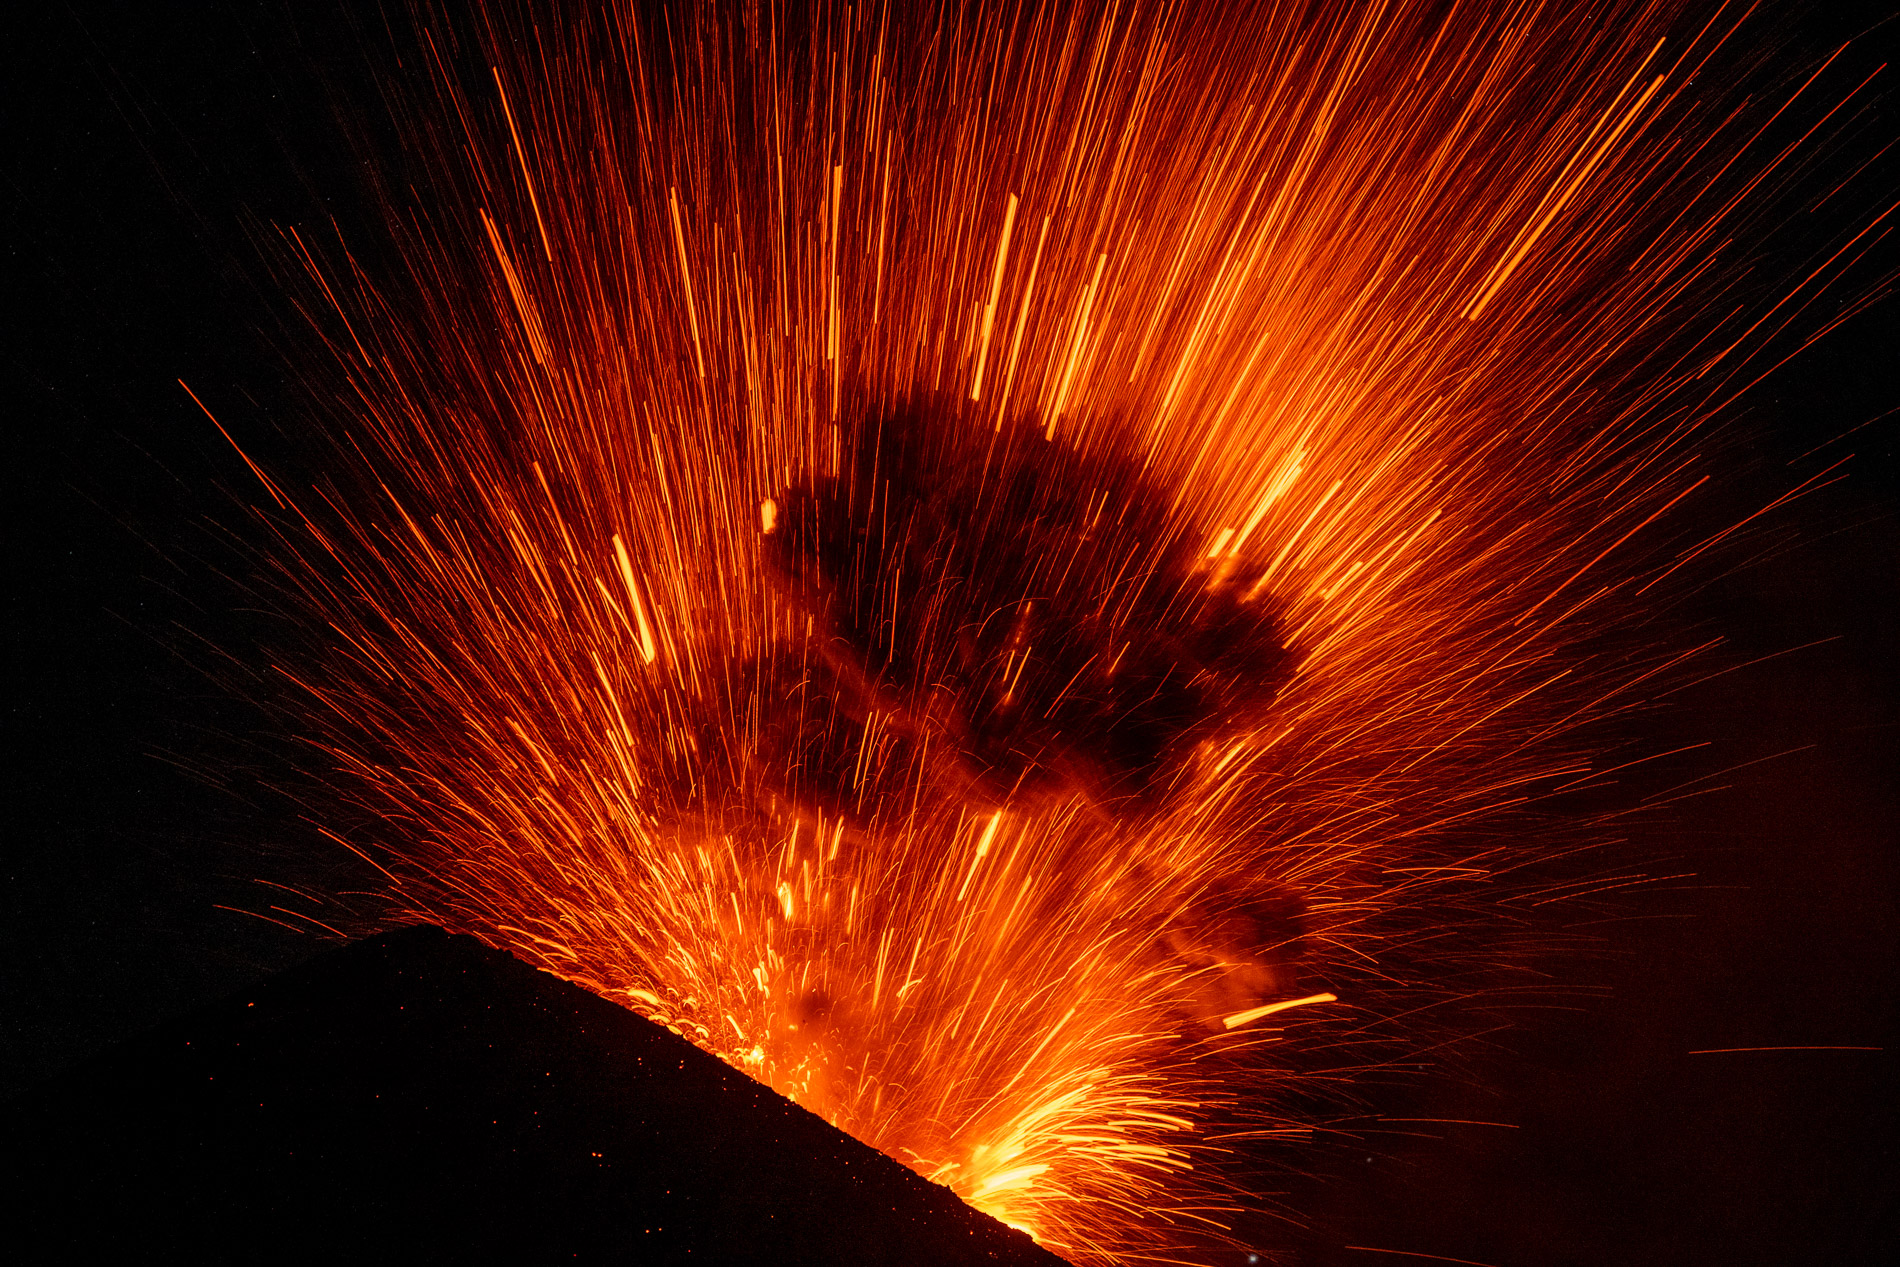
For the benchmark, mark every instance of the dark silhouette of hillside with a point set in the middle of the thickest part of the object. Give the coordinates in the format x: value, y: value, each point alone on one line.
x: 420, y: 1095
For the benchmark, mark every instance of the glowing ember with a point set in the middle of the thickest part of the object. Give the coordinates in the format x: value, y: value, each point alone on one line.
x: 987, y: 567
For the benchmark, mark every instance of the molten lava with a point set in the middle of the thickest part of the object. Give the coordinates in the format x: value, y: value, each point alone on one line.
x: 1016, y: 572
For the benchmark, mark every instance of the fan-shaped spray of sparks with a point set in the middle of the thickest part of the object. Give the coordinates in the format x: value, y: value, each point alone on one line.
x: 981, y: 565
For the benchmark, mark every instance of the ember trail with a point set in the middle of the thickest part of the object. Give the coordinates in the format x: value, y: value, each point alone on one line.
x: 1004, y: 571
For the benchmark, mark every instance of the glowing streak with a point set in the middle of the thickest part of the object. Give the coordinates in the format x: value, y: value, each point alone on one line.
x: 1578, y: 177
x: 982, y: 851
x: 647, y: 650
x: 1022, y: 319
x: 1723, y: 1051
x: 1076, y: 344
x: 996, y: 290
x: 521, y: 158
x: 686, y: 279
x: 1282, y: 481
x: 1253, y: 1014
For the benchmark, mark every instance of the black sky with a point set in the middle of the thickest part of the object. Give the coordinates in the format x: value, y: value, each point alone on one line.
x: 142, y: 138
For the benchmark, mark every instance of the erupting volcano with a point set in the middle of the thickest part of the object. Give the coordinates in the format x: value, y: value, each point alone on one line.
x: 1028, y: 575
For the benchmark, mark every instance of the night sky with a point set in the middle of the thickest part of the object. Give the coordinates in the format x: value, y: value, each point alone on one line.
x: 148, y: 143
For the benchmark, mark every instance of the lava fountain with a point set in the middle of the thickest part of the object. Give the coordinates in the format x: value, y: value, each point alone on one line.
x: 1008, y: 570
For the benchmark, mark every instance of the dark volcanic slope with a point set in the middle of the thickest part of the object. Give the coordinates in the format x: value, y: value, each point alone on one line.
x: 421, y: 1095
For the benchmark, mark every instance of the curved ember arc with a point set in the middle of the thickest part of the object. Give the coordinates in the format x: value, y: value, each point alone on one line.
x: 1017, y: 573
